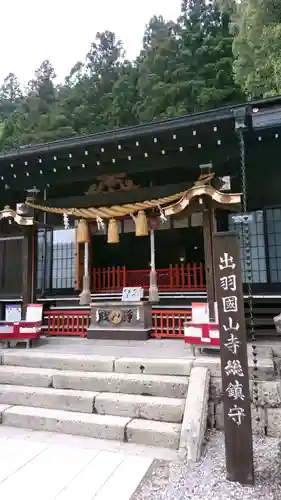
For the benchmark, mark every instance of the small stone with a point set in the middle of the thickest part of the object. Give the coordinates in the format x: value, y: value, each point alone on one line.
x: 206, y: 480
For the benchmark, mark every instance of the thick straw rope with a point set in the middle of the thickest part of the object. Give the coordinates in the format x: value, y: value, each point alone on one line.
x: 108, y: 212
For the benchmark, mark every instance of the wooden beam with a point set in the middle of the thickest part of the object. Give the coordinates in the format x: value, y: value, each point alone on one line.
x: 117, y: 197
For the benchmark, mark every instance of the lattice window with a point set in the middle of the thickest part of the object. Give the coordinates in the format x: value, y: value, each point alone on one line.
x: 273, y: 216
x: 44, y: 259
x: 63, y: 272
x: 257, y: 241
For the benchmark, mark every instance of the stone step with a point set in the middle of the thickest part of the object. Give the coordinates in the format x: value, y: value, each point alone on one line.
x: 137, y: 431
x: 154, y: 366
x: 42, y: 397
x: 95, y: 363
x: 123, y: 405
x: 137, y: 406
x: 59, y: 361
x: 146, y: 385
x: 21, y: 375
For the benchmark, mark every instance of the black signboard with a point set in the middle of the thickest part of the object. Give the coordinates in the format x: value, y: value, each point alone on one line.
x: 234, y: 362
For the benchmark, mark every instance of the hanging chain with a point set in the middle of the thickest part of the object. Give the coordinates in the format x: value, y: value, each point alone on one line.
x: 248, y: 267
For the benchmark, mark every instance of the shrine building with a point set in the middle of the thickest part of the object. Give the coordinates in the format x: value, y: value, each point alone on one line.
x: 84, y: 217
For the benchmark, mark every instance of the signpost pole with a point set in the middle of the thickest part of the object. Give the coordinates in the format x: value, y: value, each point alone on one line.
x: 234, y: 362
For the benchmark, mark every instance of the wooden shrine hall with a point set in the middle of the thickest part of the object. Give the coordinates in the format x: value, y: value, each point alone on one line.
x: 138, y: 207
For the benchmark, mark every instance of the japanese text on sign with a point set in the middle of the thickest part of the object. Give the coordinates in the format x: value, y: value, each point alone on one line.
x: 233, y: 354
x: 233, y: 367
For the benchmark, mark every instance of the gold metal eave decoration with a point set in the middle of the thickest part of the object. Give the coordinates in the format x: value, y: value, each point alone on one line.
x: 9, y: 213
x: 109, y: 212
x: 196, y: 192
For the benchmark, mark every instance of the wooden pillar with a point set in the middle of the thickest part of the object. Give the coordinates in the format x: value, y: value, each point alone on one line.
x: 209, y: 228
x: 79, y: 264
x: 80, y: 261
x: 153, y: 289
x: 29, y: 267
x: 83, y: 262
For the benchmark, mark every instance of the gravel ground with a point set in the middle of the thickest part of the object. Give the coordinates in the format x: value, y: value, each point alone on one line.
x: 206, y: 480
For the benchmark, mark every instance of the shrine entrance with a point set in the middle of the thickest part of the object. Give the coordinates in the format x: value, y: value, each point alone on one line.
x: 179, y: 260
x: 175, y: 246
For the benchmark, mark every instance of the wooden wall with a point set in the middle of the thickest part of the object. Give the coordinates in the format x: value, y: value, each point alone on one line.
x: 11, y: 267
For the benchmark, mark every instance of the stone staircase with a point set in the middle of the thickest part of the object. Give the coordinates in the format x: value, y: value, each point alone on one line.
x: 133, y: 400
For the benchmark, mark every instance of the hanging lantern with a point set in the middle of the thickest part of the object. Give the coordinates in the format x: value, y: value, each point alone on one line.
x: 83, y: 232
x: 112, y: 232
x: 141, y: 224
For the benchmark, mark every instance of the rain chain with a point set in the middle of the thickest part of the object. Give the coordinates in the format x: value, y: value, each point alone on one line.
x: 245, y: 221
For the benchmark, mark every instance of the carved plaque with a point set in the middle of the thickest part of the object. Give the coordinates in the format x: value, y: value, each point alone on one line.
x: 120, y: 320
x: 110, y: 183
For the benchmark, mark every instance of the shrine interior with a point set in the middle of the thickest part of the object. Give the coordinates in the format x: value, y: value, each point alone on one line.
x: 174, y: 246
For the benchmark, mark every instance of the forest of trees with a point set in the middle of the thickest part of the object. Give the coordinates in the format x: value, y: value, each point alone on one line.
x: 217, y: 53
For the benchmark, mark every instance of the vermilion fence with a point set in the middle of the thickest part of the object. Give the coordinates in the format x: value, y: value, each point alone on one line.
x: 167, y: 323
x: 67, y: 322
x: 175, y: 277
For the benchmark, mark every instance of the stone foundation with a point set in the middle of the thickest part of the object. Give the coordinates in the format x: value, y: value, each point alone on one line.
x: 266, y: 414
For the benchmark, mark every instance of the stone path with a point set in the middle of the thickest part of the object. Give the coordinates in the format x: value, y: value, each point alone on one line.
x: 153, y: 348
x: 40, y: 465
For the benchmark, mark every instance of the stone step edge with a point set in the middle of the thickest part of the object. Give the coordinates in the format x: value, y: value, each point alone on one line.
x: 132, y: 365
x: 153, y: 385
x: 101, y: 403
x: 195, y: 415
x: 127, y: 376
x: 147, y: 432
x: 81, y: 393
x: 99, y: 363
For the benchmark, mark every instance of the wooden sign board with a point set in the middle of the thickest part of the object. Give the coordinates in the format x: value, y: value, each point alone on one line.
x: 234, y: 362
x: 132, y: 294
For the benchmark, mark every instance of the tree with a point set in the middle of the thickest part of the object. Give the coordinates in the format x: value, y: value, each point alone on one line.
x: 10, y: 95
x: 124, y: 97
x: 157, y: 63
x: 187, y: 67
x: 43, y: 83
x: 10, y: 90
x: 206, y: 57
x: 183, y: 66
x: 256, y: 46
x: 106, y: 53
x: 88, y: 102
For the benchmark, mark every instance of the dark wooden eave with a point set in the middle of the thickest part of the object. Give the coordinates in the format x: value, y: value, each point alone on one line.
x: 200, y: 138
x: 101, y: 138
x: 270, y: 115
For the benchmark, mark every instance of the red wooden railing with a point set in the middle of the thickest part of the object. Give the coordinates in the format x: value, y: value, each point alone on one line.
x: 175, y: 277
x: 67, y: 322
x: 167, y: 323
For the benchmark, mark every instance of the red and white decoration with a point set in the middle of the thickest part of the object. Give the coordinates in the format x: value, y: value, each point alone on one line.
x: 200, y: 331
x: 27, y: 329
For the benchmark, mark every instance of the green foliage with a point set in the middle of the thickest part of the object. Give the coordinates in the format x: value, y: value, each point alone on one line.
x: 183, y: 66
x: 256, y: 46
